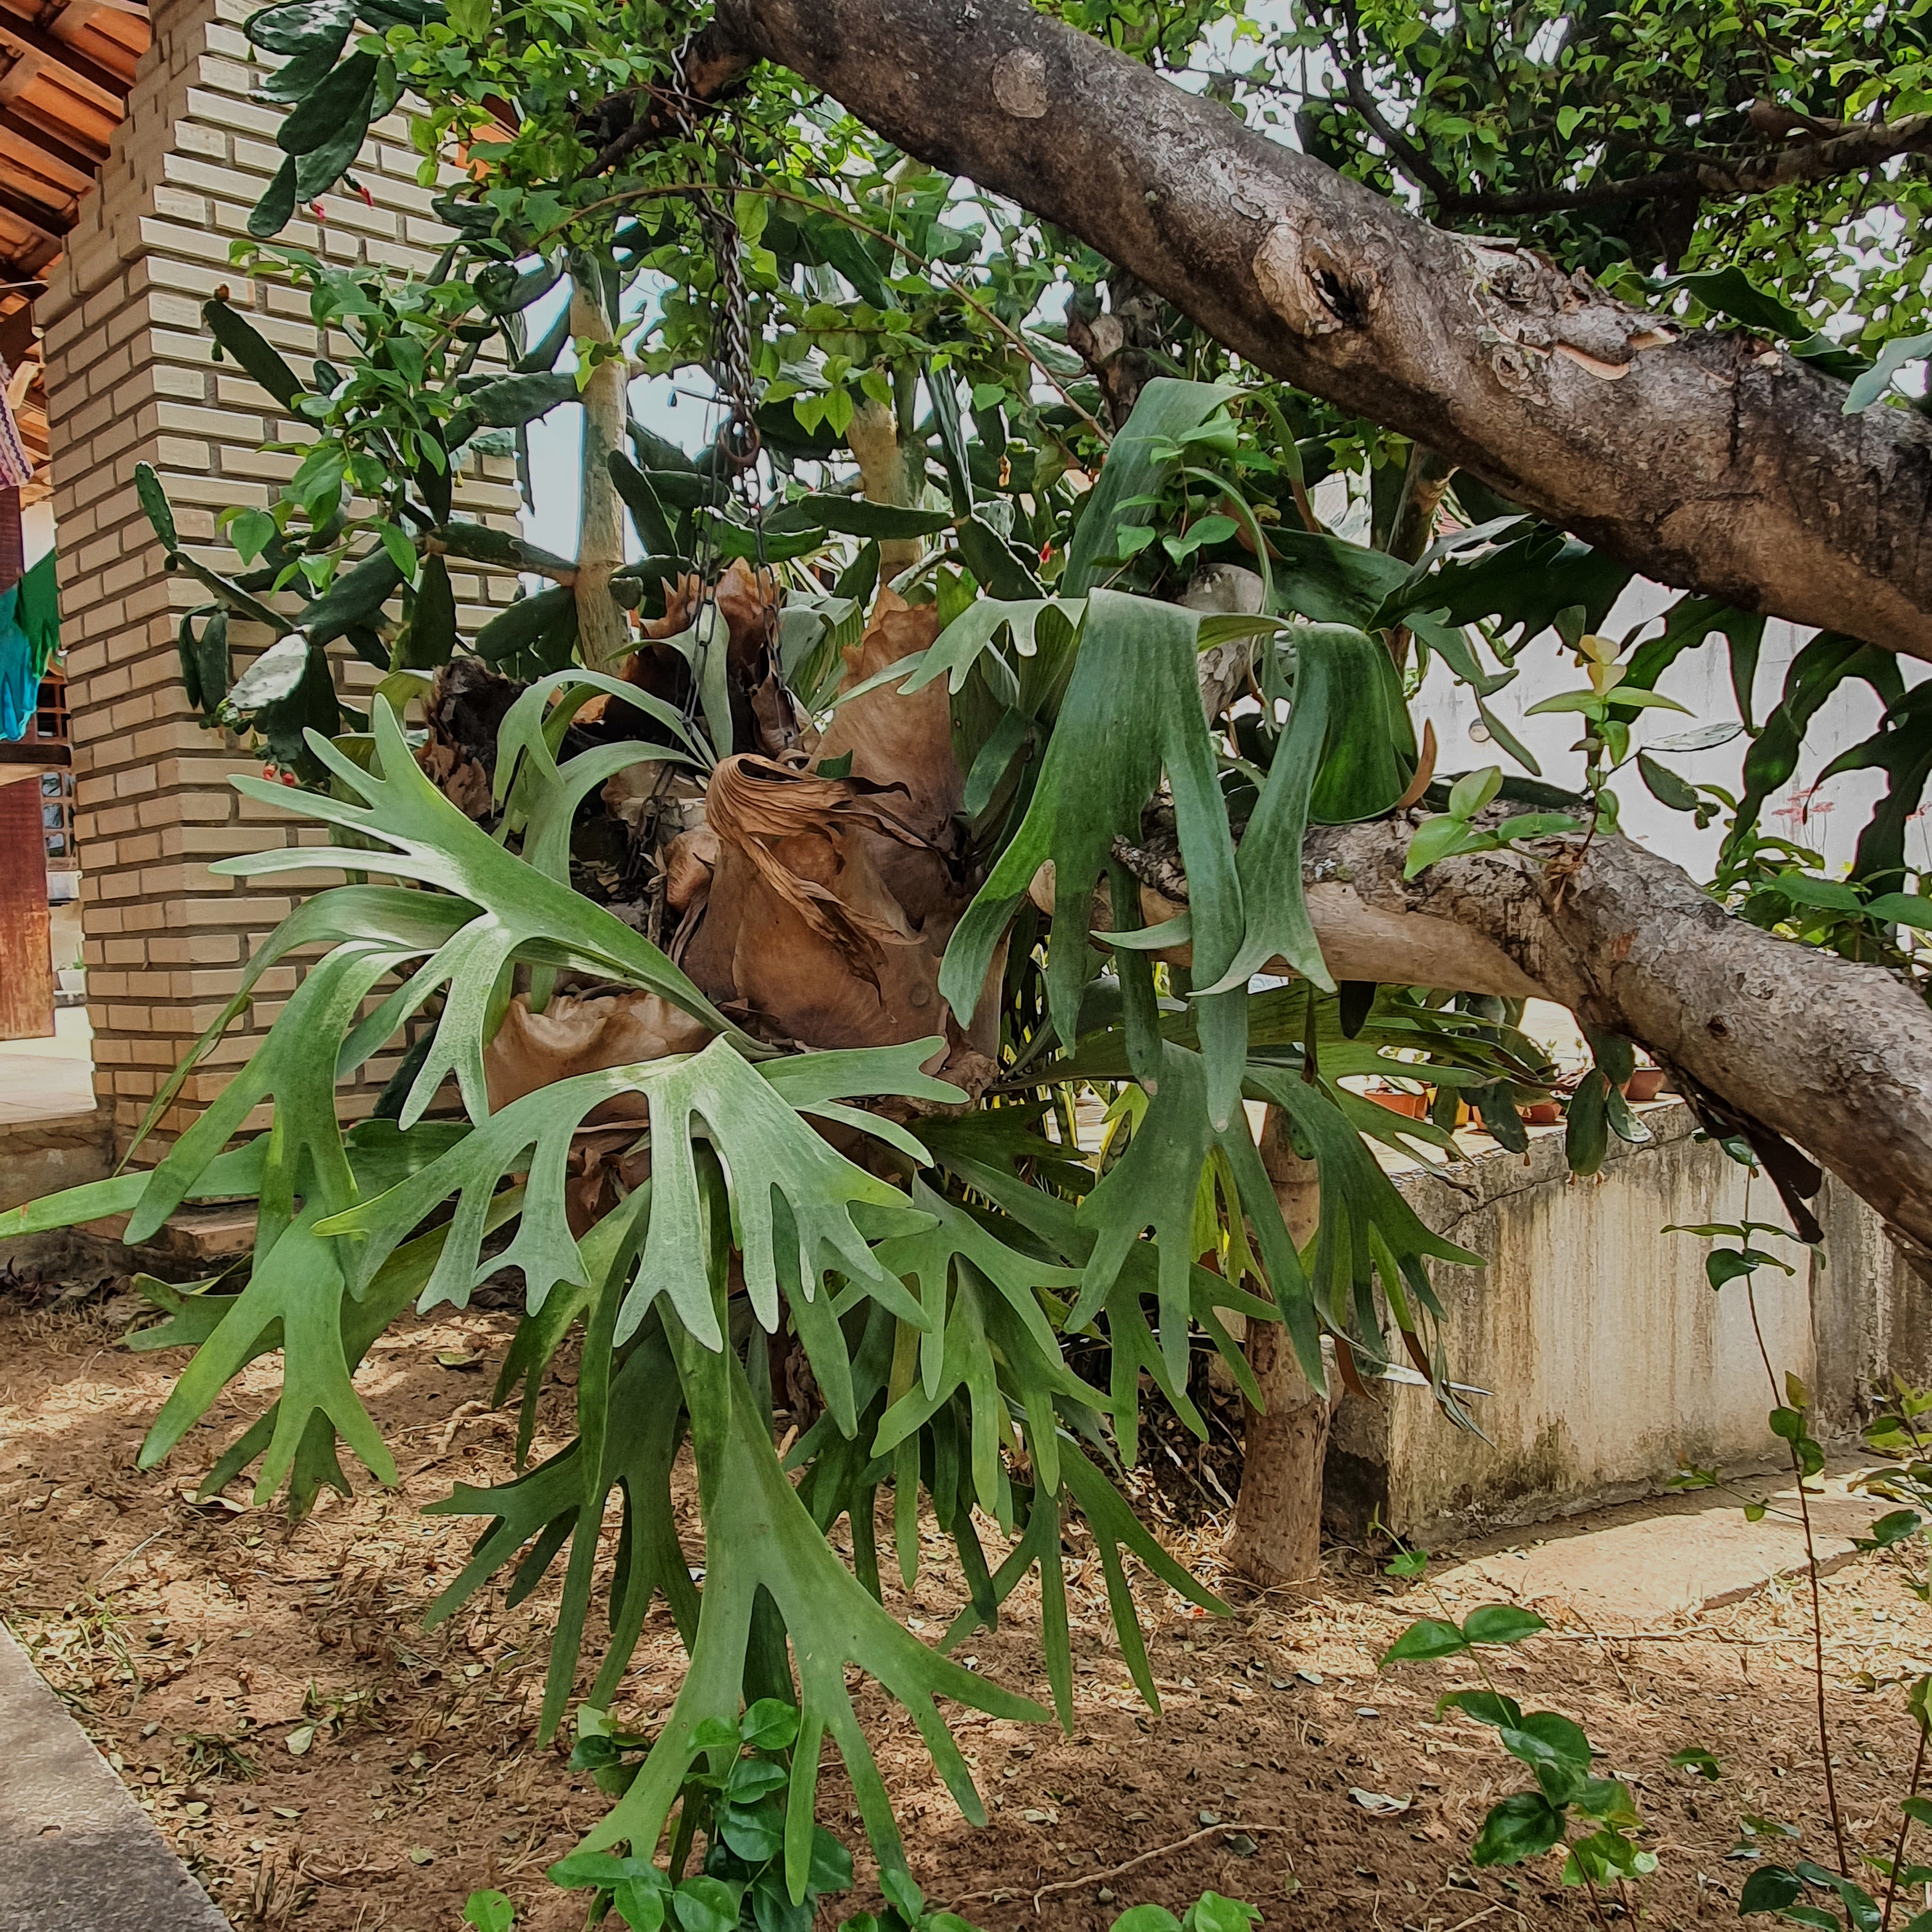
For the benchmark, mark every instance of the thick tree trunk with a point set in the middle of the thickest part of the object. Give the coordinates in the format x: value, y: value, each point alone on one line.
x: 1702, y: 459
x: 1834, y: 1057
x: 1277, y: 1534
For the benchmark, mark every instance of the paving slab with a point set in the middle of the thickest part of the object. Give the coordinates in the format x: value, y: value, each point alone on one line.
x: 76, y: 1853
x: 1648, y: 1565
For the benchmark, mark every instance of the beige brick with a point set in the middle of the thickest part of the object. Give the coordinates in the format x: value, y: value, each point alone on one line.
x: 211, y: 142
x: 220, y: 110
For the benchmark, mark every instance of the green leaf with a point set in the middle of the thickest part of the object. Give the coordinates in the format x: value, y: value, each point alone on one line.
x: 566, y: 1498
x: 431, y: 639
x: 1147, y: 1919
x: 519, y: 626
x: 206, y: 671
x: 706, y: 1905
x: 1143, y: 452
x: 1723, y: 1264
x: 301, y: 27
x: 1156, y: 1184
x: 277, y: 207
x: 1435, y: 839
x: 154, y: 501
x: 1486, y: 1707
x: 1769, y: 1889
x: 1501, y: 1623
x: 769, y: 1725
x: 510, y: 401
x: 1898, y: 1526
x: 855, y: 517
x: 1521, y: 1827
x: 240, y: 339
x: 1586, y: 1137
x: 1132, y: 712
x: 1555, y: 1749
x: 1666, y: 787
x: 767, y: 1540
x: 1338, y: 760
x: 356, y: 597
x: 318, y: 120
x: 1211, y: 1912
x: 1468, y: 795
x: 489, y: 1912
x: 1429, y: 1637
x: 1911, y: 909
x: 993, y: 561
x: 521, y: 914
x: 792, y: 1195
x: 1872, y: 386
x: 641, y: 1904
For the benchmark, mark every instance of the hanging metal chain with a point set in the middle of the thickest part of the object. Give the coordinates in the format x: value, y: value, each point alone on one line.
x: 731, y: 340
x: 739, y: 440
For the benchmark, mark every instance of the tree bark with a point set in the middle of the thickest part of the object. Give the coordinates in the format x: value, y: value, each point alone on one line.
x: 1836, y: 1058
x: 885, y: 475
x: 1277, y: 1534
x: 605, y: 637
x: 1703, y: 459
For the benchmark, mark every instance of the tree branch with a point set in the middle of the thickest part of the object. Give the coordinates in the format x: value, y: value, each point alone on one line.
x: 1702, y: 458
x: 1858, y: 149
x: 1834, y: 1057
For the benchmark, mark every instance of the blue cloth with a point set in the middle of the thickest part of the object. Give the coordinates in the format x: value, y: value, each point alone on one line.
x: 20, y: 673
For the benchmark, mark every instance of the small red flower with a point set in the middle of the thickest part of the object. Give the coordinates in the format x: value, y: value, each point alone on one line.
x: 1046, y: 551
x: 320, y: 213
x: 367, y: 196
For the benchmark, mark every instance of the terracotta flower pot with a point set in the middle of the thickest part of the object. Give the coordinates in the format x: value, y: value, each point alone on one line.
x: 1411, y: 1106
x: 1646, y: 1084
x: 1542, y: 1114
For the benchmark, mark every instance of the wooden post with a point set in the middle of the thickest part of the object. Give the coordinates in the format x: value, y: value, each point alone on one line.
x: 26, y: 950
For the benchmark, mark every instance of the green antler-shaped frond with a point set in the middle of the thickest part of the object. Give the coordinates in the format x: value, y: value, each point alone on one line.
x: 295, y: 1300
x: 766, y: 1540
x: 771, y: 1153
x: 1132, y: 712
x: 406, y: 827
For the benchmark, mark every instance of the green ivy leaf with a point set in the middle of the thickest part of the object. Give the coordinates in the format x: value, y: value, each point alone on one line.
x: 1501, y: 1623
x: 1427, y: 1638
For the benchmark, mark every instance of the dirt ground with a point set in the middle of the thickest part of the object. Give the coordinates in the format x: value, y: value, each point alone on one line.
x: 270, y: 1695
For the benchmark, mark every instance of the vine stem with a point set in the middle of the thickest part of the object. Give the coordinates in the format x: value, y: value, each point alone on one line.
x: 1817, y: 1601
x: 1904, y: 1826
x: 1091, y: 1878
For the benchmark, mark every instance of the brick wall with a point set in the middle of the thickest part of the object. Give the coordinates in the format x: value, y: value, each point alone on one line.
x: 129, y: 377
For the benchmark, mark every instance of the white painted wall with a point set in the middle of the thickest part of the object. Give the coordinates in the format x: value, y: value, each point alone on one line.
x: 1829, y: 822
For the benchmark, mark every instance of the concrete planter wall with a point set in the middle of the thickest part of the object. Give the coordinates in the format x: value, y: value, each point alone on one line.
x: 1609, y: 1355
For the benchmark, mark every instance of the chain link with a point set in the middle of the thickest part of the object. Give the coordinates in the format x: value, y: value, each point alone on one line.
x: 739, y: 441
x: 731, y: 340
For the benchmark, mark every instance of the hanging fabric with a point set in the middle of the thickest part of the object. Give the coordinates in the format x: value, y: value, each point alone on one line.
x: 19, y: 676
x: 29, y: 638
x: 38, y: 613
x: 17, y: 467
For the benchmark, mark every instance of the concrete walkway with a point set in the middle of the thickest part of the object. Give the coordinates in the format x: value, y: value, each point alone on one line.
x: 50, y: 1079
x: 1638, y: 1565
x: 76, y: 1853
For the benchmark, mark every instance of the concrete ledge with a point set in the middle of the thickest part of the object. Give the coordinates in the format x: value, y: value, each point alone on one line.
x: 76, y: 1853
x: 42, y: 1157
